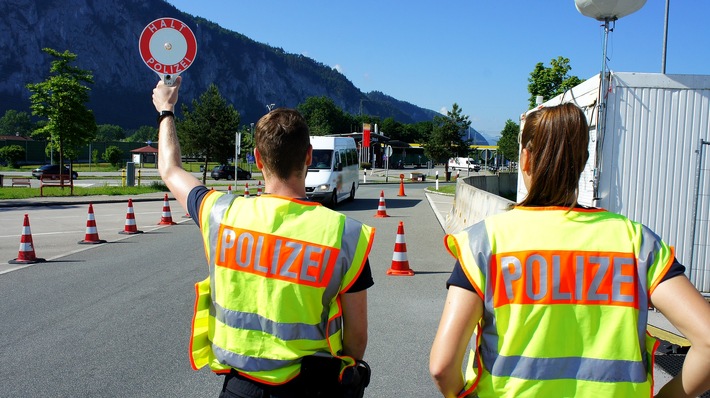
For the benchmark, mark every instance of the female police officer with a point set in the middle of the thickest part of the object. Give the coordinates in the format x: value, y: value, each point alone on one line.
x: 560, y: 293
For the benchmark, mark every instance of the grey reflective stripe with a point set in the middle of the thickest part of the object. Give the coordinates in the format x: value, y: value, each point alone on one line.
x: 247, y: 363
x: 252, y: 321
x: 590, y: 369
x: 348, y: 247
x: 482, y: 252
x: 217, y: 213
x: 650, y: 245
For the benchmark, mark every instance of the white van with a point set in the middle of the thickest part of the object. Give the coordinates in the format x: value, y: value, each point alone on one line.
x: 333, y: 173
x: 463, y: 164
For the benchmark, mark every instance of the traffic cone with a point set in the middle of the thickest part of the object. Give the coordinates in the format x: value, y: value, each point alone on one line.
x: 400, y: 264
x: 246, y: 190
x: 166, y: 218
x: 229, y: 189
x: 381, y: 208
x: 401, y: 187
x: 130, y: 227
x: 92, y: 234
x: 258, y: 189
x: 26, y: 254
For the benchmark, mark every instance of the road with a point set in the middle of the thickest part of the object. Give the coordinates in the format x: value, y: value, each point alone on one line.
x: 114, y: 319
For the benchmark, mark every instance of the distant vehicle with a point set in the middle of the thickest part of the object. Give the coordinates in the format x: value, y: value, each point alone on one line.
x: 53, y: 169
x: 463, y: 164
x: 333, y: 173
x: 227, y: 172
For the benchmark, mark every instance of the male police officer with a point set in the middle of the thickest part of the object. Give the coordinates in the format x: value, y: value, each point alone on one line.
x: 287, y: 277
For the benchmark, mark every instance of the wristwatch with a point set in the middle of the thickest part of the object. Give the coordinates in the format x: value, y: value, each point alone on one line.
x: 164, y: 114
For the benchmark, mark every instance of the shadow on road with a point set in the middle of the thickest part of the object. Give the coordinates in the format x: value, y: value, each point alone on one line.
x: 372, y: 204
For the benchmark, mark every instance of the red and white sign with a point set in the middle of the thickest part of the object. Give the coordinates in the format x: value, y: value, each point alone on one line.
x: 168, y: 46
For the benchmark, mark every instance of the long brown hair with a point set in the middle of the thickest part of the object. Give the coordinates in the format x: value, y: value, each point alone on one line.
x: 557, y: 138
x: 283, y: 140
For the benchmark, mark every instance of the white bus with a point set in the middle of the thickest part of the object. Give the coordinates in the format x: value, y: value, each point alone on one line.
x: 333, y: 173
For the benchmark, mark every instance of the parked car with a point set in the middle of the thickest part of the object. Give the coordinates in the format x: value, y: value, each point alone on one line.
x: 227, y: 172
x: 53, y: 169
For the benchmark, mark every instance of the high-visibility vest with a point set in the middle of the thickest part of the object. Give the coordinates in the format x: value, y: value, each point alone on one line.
x: 277, y: 266
x: 566, y: 297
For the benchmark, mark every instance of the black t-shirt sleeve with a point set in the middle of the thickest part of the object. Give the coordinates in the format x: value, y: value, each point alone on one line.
x: 194, y: 200
x: 364, y: 281
x: 458, y: 278
x: 676, y: 269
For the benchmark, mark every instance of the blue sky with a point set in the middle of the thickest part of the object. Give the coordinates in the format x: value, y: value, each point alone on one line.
x: 478, y: 54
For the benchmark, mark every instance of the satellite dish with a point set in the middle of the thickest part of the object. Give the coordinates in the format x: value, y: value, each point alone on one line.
x: 608, y: 9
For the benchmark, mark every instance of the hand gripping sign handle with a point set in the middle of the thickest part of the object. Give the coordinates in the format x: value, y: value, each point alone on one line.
x: 168, y: 80
x: 168, y: 47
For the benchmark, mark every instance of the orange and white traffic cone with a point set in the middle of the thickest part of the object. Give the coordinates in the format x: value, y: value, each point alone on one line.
x: 246, y: 190
x: 400, y: 264
x: 130, y: 226
x: 258, y: 188
x: 229, y: 189
x: 26, y: 254
x: 166, y: 218
x: 381, y: 208
x: 401, y: 185
x: 92, y: 234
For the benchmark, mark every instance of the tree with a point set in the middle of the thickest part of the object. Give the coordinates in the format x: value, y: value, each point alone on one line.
x: 447, y: 138
x: 12, y: 154
x: 109, y: 132
x: 323, y: 116
x: 113, y: 155
x: 208, y: 130
x: 508, y: 142
x: 16, y: 123
x: 61, y: 101
x: 549, y: 82
x: 143, y: 134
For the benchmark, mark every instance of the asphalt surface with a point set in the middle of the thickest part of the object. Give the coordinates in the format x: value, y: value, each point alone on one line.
x: 113, y: 319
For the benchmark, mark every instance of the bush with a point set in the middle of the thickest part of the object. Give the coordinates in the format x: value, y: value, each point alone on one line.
x: 365, y: 165
x: 113, y: 155
x: 12, y: 154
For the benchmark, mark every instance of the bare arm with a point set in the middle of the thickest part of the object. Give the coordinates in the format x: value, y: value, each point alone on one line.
x: 178, y: 181
x: 462, y: 311
x: 687, y: 310
x: 354, y: 323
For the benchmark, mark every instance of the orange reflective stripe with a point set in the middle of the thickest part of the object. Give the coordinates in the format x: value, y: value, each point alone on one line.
x: 276, y: 257
x: 564, y: 277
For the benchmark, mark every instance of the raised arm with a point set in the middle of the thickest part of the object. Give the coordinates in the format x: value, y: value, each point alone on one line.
x: 687, y: 310
x: 178, y: 181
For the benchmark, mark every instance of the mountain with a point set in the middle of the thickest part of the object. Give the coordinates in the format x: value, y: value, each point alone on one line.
x: 104, y: 34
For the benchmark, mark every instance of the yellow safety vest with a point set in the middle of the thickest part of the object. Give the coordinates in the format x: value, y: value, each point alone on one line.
x: 566, y: 296
x: 277, y: 266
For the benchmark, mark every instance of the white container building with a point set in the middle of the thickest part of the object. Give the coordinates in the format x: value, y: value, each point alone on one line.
x: 650, y: 160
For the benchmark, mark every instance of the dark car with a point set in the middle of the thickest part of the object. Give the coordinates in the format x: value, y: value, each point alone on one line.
x: 227, y: 172
x: 53, y: 169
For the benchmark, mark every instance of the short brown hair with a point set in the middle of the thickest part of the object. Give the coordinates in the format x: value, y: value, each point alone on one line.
x: 557, y: 138
x: 282, y: 139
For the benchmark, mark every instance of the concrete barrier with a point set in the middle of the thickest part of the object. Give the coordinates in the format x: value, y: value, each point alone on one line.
x: 474, y: 201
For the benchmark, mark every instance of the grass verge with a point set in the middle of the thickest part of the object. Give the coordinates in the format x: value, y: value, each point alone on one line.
x: 27, y: 193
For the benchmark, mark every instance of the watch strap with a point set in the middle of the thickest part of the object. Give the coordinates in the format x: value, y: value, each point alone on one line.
x: 164, y: 114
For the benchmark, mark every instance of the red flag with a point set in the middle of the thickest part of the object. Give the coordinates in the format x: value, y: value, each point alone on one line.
x: 366, y: 135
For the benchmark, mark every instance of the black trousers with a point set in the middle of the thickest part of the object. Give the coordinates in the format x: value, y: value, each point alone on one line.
x: 238, y: 386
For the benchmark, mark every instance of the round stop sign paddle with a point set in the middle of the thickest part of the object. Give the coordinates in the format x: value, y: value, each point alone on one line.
x: 168, y: 47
